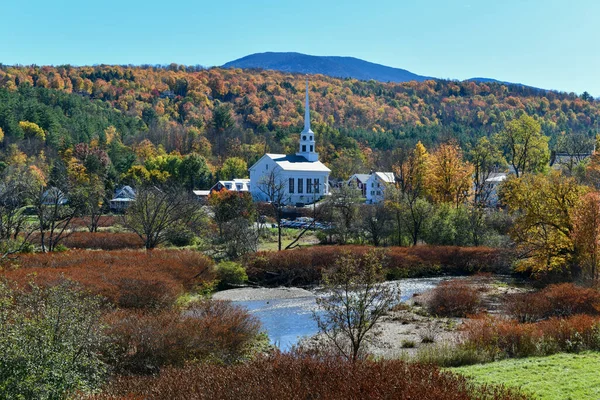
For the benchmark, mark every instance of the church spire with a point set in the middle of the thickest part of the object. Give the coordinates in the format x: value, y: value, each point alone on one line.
x: 306, y: 112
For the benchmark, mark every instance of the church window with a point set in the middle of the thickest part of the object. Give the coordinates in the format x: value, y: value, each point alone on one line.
x: 291, y: 189
x: 311, y: 148
x: 303, y: 137
x: 303, y: 148
x: 309, y: 185
x: 300, y: 185
x: 311, y: 138
x: 316, y: 185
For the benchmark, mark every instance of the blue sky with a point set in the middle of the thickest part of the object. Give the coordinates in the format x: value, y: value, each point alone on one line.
x: 545, y: 43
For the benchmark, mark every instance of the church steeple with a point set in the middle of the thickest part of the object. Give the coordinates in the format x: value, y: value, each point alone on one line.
x: 307, y: 136
x: 307, y: 113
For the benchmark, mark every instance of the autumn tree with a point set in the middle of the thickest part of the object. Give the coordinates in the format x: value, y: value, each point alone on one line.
x: 356, y: 302
x: 586, y: 235
x: 233, y: 167
x: 524, y: 145
x: 486, y: 159
x: 406, y: 200
x: 449, y: 177
x: 543, y: 230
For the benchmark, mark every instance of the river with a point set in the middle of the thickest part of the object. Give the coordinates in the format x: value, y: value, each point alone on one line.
x: 287, y: 314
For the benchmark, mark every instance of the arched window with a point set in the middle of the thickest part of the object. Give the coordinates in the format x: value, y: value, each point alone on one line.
x: 303, y: 137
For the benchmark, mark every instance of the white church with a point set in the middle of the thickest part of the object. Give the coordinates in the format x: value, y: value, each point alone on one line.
x: 292, y: 179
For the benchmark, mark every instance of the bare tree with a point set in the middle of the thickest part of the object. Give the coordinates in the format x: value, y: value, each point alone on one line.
x: 156, y: 210
x: 15, y: 225
x: 341, y: 208
x: 356, y: 302
x: 54, y: 211
x: 375, y: 222
x: 273, y: 186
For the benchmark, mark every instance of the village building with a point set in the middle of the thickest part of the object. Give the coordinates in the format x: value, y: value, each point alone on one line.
x: 359, y: 181
x: 292, y: 179
x: 123, y: 198
x: 234, y: 185
x: 376, y: 186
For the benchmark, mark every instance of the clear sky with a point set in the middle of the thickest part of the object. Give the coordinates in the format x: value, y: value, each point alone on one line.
x: 552, y: 44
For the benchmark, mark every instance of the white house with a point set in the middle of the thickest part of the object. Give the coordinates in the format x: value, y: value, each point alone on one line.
x: 293, y: 178
x: 376, y: 185
x: 234, y: 185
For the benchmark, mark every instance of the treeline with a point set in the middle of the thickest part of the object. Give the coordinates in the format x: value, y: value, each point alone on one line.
x: 223, y: 113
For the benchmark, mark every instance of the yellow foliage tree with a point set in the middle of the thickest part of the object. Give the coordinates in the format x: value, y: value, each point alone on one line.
x: 543, y: 230
x: 449, y: 177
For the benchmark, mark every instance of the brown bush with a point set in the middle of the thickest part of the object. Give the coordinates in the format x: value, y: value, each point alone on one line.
x: 103, y: 241
x: 302, y: 377
x: 127, y: 278
x: 304, y: 266
x: 208, y: 330
x: 555, y: 300
x: 454, y: 298
x: 97, y: 240
x: 513, y: 339
x: 105, y: 221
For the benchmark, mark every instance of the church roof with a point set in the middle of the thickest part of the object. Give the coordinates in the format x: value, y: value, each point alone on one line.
x: 294, y: 162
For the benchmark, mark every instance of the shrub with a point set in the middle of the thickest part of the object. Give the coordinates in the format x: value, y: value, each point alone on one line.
x: 302, y: 377
x: 98, y: 240
x: 507, y: 338
x: 230, y: 273
x: 454, y: 298
x: 208, y: 330
x: 304, y: 266
x: 408, y: 344
x: 50, y: 341
x: 555, y: 300
x: 132, y: 279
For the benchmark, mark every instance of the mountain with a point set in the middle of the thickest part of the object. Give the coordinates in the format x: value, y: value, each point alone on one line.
x: 339, y: 67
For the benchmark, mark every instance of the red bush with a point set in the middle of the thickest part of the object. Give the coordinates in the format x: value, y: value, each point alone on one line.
x: 454, y: 298
x: 555, y: 300
x: 127, y: 278
x: 97, y: 240
x: 103, y: 241
x: 514, y: 339
x: 209, y: 330
x: 302, y: 377
x: 304, y: 266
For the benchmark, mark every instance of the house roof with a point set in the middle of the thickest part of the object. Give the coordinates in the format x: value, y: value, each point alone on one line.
x: 201, y: 193
x: 497, y: 177
x: 360, y: 177
x: 126, y: 193
x: 387, y: 177
x: 233, y: 185
x: 294, y: 162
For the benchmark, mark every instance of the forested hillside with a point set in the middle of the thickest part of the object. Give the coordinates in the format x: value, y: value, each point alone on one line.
x: 223, y: 113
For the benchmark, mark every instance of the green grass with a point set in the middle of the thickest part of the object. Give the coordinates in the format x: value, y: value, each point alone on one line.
x: 561, y: 376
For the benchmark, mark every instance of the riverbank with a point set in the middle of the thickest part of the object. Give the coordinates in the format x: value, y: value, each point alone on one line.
x: 287, y: 315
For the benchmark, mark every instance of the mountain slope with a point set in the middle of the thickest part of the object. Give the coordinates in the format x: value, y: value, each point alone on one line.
x: 340, y: 67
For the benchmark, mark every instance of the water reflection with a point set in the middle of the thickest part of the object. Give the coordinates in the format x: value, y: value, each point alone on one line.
x: 286, y: 321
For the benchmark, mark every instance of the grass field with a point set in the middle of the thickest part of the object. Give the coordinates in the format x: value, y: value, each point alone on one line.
x: 561, y: 376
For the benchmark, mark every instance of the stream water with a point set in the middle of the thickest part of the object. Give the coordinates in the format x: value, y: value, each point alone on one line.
x: 287, y: 320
